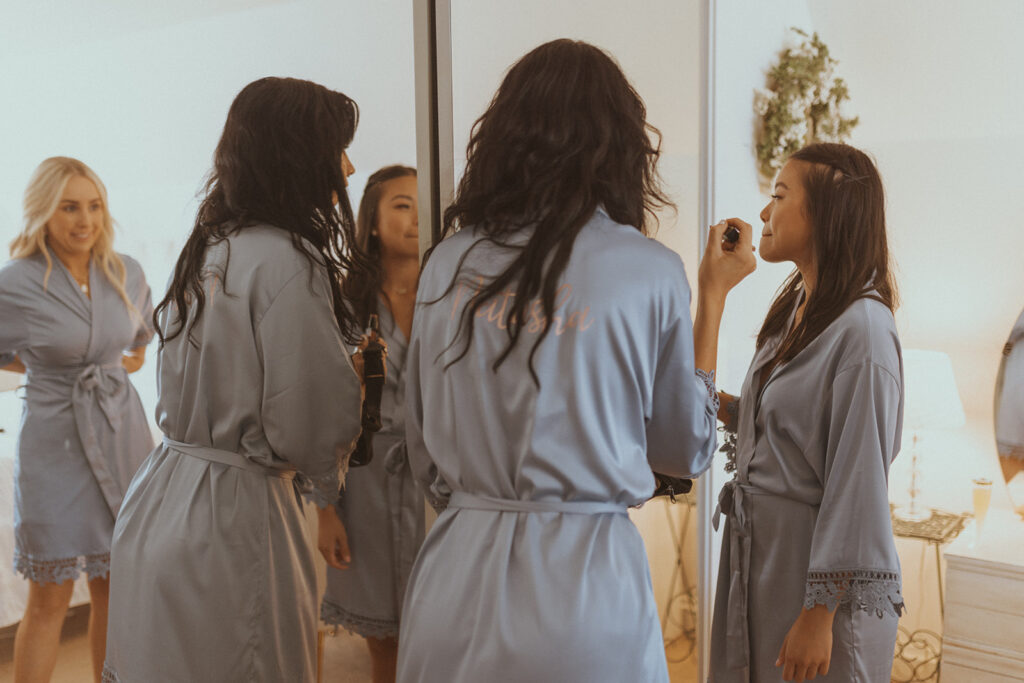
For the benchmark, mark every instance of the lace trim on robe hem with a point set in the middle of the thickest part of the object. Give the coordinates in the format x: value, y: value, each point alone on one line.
x: 109, y: 675
x: 321, y: 490
x: 63, y: 569
x: 367, y: 627
x: 867, y: 590
x: 729, y: 430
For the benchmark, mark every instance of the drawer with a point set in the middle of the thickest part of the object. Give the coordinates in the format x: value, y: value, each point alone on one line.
x: 984, y: 626
x: 994, y: 587
x: 966, y: 662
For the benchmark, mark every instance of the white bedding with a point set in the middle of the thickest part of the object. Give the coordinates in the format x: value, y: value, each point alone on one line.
x: 13, y: 587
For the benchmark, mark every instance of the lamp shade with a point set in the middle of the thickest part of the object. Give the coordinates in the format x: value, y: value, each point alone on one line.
x: 932, y: 400
x: 10, y: 380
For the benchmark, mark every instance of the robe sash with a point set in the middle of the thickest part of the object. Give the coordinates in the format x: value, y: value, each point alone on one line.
x: 103, y: 385
x: 469, y: 501
x: 229, y: 458
x: 732, y: 501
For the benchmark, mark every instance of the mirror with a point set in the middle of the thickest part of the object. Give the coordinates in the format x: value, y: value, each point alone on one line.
x: 1009, y: 414
x: 139, y: 92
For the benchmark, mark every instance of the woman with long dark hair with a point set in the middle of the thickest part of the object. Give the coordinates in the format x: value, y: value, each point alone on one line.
x: 552, y: 365
x: 212, y: 575
x: 382, y: 507
x: 74, y: 315
x: 817, y: 424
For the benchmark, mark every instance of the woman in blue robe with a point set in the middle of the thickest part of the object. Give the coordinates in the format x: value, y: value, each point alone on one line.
x: 1009, y: 412
x: 382, y: 507
x: 552, y: 366
x: 74, y: 317
x: 809, y: 580
x: 212, y: 570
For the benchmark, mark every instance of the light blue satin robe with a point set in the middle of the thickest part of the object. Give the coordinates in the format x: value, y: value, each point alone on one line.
x: 83, y: 429
x: 382, y: 508
x: 1009, y: 409
x: 807, y: 515
x: 534, y: 572
x: 212, y: 568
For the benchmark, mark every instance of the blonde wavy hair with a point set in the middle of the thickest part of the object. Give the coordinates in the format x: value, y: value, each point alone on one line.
x: 42, y: 197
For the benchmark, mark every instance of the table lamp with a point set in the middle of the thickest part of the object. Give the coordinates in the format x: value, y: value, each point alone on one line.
x: 931, y: 401
x: 9, y: 381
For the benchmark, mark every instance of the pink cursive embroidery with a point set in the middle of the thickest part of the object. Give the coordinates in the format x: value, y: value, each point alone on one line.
x: 496, y: 311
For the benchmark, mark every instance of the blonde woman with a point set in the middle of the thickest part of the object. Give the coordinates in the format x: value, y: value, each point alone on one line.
x: 73, y: 317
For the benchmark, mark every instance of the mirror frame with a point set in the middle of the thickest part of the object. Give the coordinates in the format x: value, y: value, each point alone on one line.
x: 435, y: 140
x: 707, y: 564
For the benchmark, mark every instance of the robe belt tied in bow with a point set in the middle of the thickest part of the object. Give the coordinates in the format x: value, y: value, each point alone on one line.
x: 733, y: 501
x: 104, y: 385
x: 470, y: 501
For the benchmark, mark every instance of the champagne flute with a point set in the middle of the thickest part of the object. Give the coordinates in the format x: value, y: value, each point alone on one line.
x: 982, y: 498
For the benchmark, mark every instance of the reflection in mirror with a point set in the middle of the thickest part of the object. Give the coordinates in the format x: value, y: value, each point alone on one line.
x: 139, y: 92
x: 658, y: 48
x: 1009, y: 414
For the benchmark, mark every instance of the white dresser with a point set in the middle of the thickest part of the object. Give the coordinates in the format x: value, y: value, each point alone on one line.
x: 983, y: 637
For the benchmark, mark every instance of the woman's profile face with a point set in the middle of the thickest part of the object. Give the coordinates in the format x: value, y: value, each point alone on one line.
x: 347, y: 168
x: 397, y: 218
x: 787, y: 229
x: 76, y: 224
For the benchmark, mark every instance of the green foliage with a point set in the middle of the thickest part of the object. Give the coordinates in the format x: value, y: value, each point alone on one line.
x: 801, y: 104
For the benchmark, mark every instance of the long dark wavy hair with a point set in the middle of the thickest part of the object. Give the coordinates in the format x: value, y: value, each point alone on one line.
x: 846, y: 209
x: 278, y: 162
x: 565, y: 134
x: 363, y: 292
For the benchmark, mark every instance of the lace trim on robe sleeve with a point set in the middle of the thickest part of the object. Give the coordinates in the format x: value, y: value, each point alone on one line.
x: 109, y: 675
x: 438, y: 494
x: 321, y: 490
x: 709, y: 381
x: 867, y: 590
x: 729, y: 431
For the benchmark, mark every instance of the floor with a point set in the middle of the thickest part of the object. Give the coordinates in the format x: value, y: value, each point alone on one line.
x: 345, y: 661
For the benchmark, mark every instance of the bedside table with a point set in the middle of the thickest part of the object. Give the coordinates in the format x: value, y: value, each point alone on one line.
x: 983, y: 635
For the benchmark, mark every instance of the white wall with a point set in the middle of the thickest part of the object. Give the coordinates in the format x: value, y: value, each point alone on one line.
x: 140, y: 91
x: 946, y: 130
x: 658, y: 48
x: 935, y: 85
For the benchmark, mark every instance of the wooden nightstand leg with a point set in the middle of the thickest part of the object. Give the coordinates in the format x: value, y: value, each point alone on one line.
x: 319, y: 655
